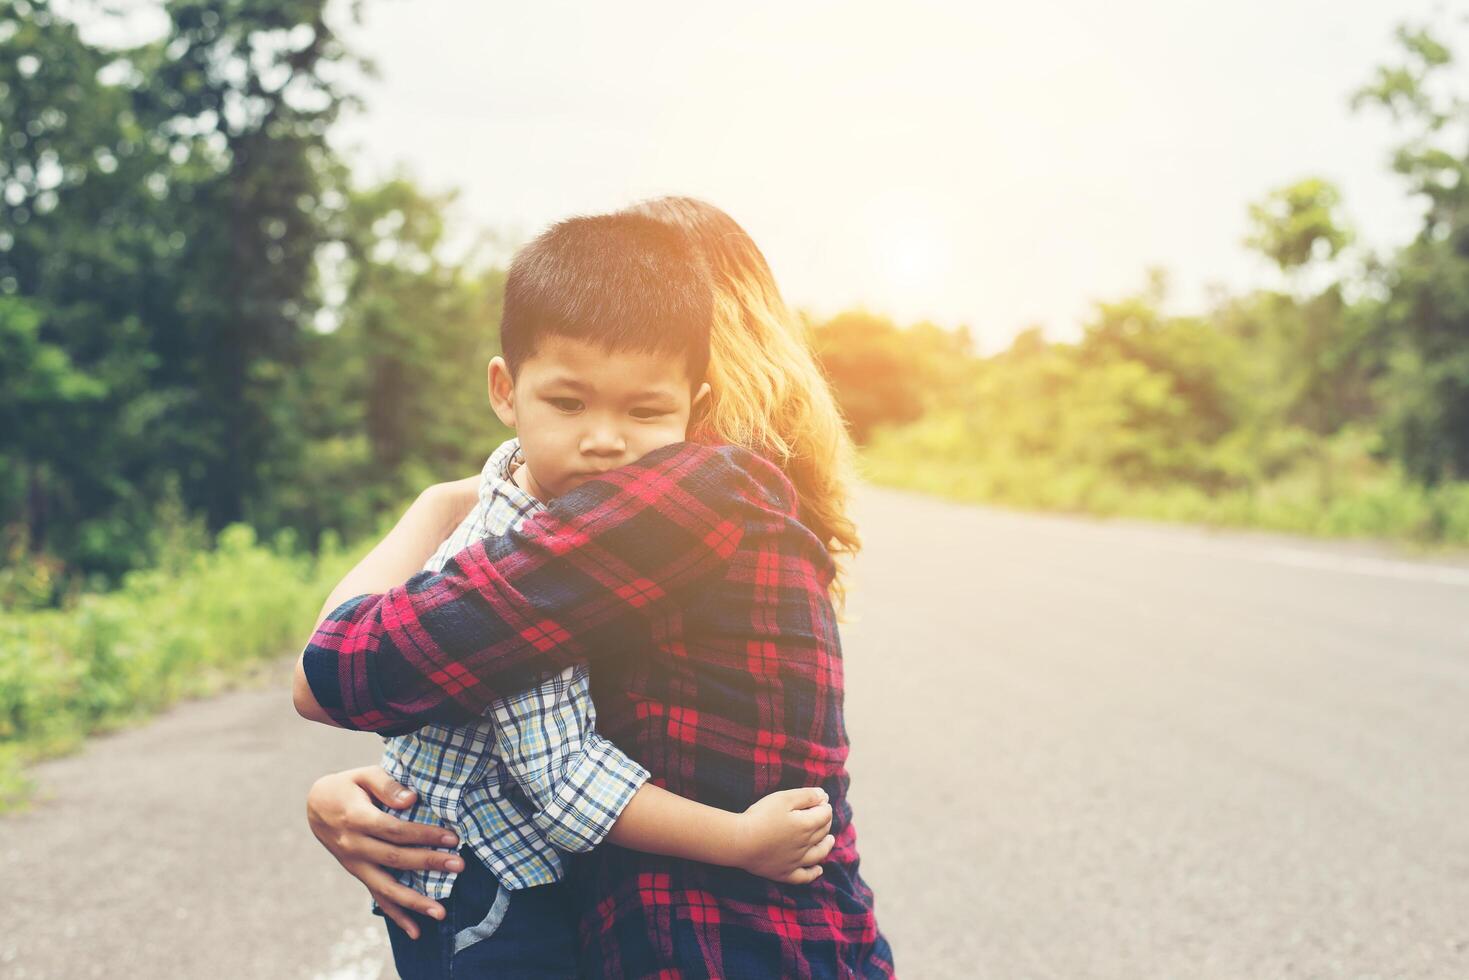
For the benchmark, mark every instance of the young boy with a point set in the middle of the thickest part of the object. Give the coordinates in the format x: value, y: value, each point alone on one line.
x: 605, y: 334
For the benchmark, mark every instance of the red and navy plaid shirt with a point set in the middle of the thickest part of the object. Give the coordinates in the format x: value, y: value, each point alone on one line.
x: 701, y: 601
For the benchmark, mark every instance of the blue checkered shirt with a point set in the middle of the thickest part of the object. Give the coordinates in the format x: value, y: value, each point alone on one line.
x: 532, y: 778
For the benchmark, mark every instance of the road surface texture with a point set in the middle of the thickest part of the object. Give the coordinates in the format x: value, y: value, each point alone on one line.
x: 1080, y: 750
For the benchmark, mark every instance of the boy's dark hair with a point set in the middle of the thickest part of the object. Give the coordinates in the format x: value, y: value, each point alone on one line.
x: 624, y: 281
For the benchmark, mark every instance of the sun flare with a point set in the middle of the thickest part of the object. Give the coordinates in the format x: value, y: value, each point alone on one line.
x: 911, y: 259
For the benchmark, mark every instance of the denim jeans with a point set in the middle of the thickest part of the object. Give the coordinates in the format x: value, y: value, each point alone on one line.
x: 490, y: 931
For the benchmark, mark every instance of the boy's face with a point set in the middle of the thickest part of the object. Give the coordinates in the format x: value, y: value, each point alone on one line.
x: 580, y: 409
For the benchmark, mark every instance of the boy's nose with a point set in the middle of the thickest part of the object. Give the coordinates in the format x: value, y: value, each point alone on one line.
x: 603, y: 442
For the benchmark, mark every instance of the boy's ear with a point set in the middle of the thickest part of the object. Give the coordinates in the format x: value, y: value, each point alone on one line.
x: 701, y: 398
x: 502, y: 390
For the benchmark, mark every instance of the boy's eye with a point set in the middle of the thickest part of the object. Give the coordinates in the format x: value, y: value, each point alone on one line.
x: 647, y: 413
x: 566, y: 404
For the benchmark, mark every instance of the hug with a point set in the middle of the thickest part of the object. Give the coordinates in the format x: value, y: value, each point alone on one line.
x: 608, y: 669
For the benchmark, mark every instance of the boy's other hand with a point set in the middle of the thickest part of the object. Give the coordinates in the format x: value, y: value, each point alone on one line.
x: 786, y: 836
x: 364, y: 840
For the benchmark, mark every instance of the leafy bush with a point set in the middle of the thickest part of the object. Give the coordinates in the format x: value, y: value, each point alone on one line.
x: 1331, y: 487
x: 181, y: 629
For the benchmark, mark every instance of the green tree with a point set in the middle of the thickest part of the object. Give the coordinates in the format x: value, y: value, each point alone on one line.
x: 1299, y: 224
x: 393, y: 394
x: 40, y: 389
x: 161, y: 211
x: 871, y: 369
x: 1320, y: 363
x: 884, y: 375
x: 1424, y: 321
x: 85, y: 243
x: 246, y: 90
x: 1200, y: 365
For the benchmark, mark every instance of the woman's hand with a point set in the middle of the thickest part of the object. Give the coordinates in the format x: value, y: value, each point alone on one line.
x: 364, y: 840
x: 784, y: 836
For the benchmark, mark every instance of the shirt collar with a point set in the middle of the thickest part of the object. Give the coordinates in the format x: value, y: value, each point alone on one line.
x: 495, y: 482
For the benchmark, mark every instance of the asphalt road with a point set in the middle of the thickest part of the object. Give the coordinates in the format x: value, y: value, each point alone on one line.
x: 1080, y: 750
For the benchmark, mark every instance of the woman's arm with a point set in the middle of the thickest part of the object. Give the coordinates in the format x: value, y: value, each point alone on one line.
x: 423, y: 527
x: 585, y: 576
x: 366, y: 841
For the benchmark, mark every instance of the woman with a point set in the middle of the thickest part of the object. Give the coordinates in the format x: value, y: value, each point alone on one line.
x: 768, y: 397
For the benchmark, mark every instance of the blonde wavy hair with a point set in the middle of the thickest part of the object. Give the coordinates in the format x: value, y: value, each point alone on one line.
x: 767, y: 393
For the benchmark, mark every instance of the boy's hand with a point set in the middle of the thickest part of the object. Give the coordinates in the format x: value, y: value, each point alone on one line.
x: 784, y: 837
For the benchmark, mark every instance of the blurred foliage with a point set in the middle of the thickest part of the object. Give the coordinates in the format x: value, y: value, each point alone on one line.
x: 210, y: 331
x: 204, y: 319
x: 885, y: 375
x: 197, y: 621
x: 196, y: 302
x: 1338, y: 404
x: 1424, y: 319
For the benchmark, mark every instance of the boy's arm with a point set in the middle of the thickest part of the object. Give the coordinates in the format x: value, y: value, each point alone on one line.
x: 783, y: 836
x: 582, y: 577
x: 576, y: 781
x: 586, y: 790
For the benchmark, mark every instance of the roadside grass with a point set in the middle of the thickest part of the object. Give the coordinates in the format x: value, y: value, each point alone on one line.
x: 183, y: 631
x: 208, y: 617
x: 1353, y: 497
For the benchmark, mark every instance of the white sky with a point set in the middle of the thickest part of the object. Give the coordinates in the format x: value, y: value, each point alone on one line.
x: 989, y: 164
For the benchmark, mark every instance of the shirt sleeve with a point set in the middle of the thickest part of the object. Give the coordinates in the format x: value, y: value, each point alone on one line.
x: 588, y: 574
x: 576, y: 781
